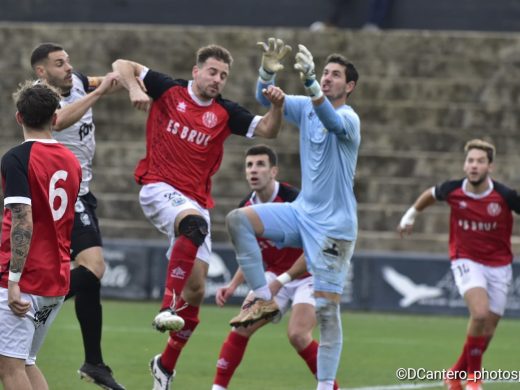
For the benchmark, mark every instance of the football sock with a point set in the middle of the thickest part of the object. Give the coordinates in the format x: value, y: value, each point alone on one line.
x: 86, y: 287
x: 231, y: 355
x: 310, y: 354
x: 248, y: 253
x: 331, y: 339
x: 180, y: 266
x: 475, y: 349
x: 178, y: 340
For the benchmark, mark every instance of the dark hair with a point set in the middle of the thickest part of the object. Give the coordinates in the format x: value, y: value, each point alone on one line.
x: 42, y: 51
x: 36, y: 103
x: 480, y: 144
x: 213, y: 51
x: 263, y: 149
x: 351, y: 74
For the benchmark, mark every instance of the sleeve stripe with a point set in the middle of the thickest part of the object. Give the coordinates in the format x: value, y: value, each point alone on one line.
x: 252, y: 126
x: 17, y: 199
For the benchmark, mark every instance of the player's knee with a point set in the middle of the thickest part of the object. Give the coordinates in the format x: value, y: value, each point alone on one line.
x: 195, y: 228
x: 298, y: 340
x: 237, y: 222
x: 193, y: 293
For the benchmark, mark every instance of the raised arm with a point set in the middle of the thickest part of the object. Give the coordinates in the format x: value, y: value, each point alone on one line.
x: 424, y: 200
x: 21, y: 234
x: 72, y: 113
x: 129, y: 73
x: 270, y: 124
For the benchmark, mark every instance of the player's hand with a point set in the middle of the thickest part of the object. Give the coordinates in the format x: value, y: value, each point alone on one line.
x: 273, y: 52
x: 275, y: 286
x: 14, y: 300
x: 275, y: 95
x: 405, y: 226
x: 139, y: 98
x: 109, y: 84
x: 223, y: 294
x: 305, y: 65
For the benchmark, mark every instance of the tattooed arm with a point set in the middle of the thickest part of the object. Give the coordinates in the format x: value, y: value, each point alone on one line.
x: 21, y: 234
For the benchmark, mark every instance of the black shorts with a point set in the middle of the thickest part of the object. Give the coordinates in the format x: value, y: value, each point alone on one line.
x: 85, y: 232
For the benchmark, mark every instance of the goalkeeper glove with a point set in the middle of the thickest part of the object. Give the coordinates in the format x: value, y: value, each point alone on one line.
x: 305, y: 65
x: 274, y: 51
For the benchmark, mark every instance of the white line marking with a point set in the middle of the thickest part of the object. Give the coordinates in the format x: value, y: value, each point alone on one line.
x: 400, y: 387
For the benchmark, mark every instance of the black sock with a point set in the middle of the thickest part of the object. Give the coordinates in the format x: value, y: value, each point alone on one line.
x: 86, y: 286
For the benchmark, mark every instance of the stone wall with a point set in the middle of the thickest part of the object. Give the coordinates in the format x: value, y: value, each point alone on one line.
x: 421, y: 95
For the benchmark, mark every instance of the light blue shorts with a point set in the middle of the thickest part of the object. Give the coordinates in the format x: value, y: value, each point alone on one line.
x: 327, y: 258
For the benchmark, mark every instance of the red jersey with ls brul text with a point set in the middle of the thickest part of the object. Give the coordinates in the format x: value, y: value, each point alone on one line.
x: 481, y: 225
x: 45, y: 175
x: 185, y: 136
x: 277, y: 260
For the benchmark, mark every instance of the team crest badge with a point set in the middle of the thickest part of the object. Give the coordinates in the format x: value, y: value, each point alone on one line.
x: 494, y: 209
x: 85, y: 219
x: 209, y: 119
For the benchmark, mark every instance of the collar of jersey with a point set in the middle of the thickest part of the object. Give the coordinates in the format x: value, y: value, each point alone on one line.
x: 256, y: 200
x: 195, y: 98
x: 43, y: 140
x: 477, y: 196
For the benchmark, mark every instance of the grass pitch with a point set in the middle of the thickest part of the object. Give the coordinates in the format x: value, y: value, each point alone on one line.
x: 375, y: 346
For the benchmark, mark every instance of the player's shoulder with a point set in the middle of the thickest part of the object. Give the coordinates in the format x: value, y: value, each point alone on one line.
x: 246, y: 201
x: 442, y: 190
x: 287, y: 192
x: 19, y: 151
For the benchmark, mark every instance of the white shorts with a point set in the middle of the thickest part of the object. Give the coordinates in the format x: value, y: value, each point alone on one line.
x: 161, y: 203
x: 22, y: 337
x: 495, y: 280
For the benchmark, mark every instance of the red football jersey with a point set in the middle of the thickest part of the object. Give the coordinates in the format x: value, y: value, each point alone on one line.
x: 480, y: 224
x: 47, y: 176
x: 185, y: 136
x: 277, y: 260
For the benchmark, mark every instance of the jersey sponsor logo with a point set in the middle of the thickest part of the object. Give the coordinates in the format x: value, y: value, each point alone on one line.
x: 84, y: 130
x: 85, y: 219
x: 494, y: 209
x: 185, y: 133
x: 178, y: 273
x: 209, y: 119
x: 181, y: 107
x: 41, y: 316
x: 477, y: 226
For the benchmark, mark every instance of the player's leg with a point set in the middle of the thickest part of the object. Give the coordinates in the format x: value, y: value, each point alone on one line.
x: 274, y: 221
x: 13, y: 374
x: 328, y: 260
x: 232, y: 352
x: 38, y: 381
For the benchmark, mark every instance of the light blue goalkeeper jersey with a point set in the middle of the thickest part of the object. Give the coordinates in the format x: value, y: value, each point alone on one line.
x: 329, y: 144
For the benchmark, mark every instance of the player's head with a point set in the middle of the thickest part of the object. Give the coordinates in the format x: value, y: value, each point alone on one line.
x: 479, y: 160
x: 36, y: 105
x: 339, y: 78
x: 211, y: 71
x: 51, y: 63
x: 261, y: 167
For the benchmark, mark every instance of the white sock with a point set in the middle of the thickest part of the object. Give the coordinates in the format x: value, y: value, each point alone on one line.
x: 325, y: 385
x: 263, y: 293
x: 217, y: 387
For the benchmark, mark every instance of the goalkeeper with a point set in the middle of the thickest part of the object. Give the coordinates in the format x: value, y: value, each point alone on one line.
x: 322, y: 220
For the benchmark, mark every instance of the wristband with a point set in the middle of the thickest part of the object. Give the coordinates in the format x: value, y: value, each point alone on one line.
x: 14, y: 276
x: 313, y: 90
x: 265, y: 76
x: 408, y: 217
x: 284, y: 278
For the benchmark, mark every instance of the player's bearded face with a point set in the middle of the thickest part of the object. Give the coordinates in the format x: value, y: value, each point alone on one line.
x: 333, y: 82
x: 210, y: 78
x: 57, y: 71
x: 477, y: 166
x: 259, y: 171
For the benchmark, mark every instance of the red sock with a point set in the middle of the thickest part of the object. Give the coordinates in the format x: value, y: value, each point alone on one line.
x: 230, y: 357
x: 179, y: 268
x: 475, y: 350
x: 178, y: 340
x: 462, y: 362
x: 310, y: 355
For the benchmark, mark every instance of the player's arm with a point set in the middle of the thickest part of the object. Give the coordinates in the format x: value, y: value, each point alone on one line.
x: 424, y: 200
x: 21, y: 234
x: 270, y: 124
x: 224, y: 293
x: 72, y: 113
x: 298, y: 268
x: 130, y: 74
